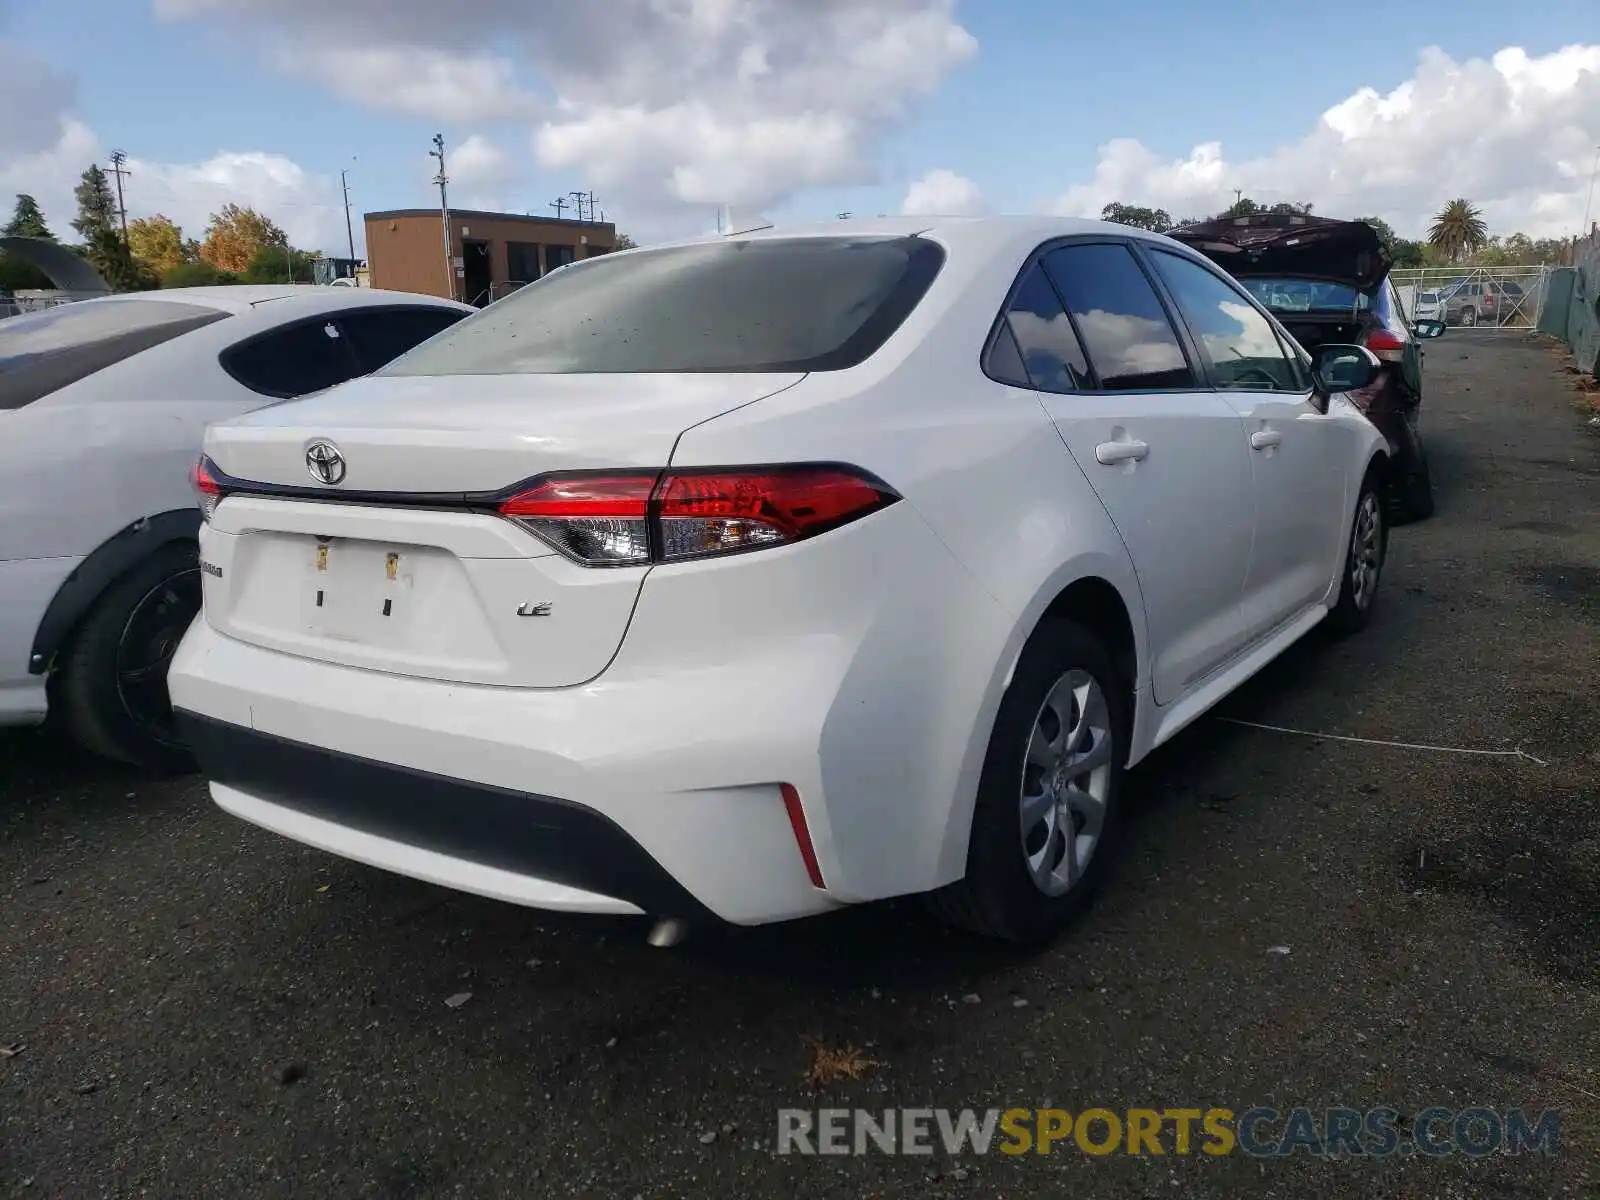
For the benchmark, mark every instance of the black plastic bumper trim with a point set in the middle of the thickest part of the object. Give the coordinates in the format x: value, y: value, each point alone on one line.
x: 528, y: 834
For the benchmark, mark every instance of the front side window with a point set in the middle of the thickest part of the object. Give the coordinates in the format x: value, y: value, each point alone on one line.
x: 42, y: 352
x: 295, y: 360
x: 1130, y: 342
x: 765, y: 304
x: 1240, y: 346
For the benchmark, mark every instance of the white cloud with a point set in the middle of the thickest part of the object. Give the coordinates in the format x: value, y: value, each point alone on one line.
x: 943, y: 193
x: 664, y: 104
x: 1515, y: 134
x: 305, y: 206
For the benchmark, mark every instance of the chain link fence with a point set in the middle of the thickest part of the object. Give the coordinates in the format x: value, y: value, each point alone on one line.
x: 1572, y: 312
x: 1490, y: 298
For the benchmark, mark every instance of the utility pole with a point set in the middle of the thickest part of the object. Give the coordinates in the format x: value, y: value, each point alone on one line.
x: 559, y: 203
x: 119, y: 169
x: 578, y: 198
x: 1588, y: 206
x: 444, y: 211
x: 349, y: 231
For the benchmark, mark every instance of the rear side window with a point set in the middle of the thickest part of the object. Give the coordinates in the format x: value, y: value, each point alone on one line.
x: 380, y: 335
x: 293, y: 360
x: 1131, y: 343
x: 1041, y: 347
x: 45, y: 351
x: 779, y: 304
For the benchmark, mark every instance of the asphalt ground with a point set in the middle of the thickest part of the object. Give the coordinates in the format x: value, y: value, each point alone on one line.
x: 204, y: 1009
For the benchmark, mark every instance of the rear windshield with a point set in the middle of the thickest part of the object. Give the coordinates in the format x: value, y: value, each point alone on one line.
x: 781, y: 304
x: 43, y: 352
x: 1301, y: 295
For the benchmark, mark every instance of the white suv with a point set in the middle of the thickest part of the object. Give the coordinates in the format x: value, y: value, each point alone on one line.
x: 749, y: 577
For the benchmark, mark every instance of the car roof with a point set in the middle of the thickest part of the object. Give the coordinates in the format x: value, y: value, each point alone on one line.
x: 962, y: 234
x: 241, y: 298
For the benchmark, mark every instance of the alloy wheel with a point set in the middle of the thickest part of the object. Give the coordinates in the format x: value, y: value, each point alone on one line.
x: 149, y: 640
x: 1366, y: 551
x: 1066, y: 782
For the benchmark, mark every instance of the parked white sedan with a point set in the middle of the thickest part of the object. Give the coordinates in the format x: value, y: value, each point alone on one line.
x: 102, y: 408
x: 754, y: 576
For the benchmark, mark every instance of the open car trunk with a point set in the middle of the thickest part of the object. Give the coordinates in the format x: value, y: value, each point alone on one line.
x: 1292, y: 246
x: 1314, y: 330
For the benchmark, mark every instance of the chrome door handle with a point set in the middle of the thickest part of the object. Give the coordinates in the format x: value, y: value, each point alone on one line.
x: 1265, y: 439
x: 1109, y: 454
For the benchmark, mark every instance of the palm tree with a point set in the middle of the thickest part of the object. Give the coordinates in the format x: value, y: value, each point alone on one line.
x: 1458, y: 230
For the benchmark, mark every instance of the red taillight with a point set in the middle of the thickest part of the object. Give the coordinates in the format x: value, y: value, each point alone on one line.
x: 1388, y: 346
x: 628, y: 518
x: 208, y: 492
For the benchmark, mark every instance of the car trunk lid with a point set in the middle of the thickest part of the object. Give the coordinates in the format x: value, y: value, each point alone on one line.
x: 1281, y: 245
x: 402, y: 564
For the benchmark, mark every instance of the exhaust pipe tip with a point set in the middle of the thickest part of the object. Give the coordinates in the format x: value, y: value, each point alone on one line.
x: 668, y: 931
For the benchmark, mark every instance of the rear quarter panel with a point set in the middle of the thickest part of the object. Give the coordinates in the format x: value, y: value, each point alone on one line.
x: 985, y: 469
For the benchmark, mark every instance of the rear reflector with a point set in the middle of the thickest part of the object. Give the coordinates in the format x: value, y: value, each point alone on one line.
x: 802, y: 834
x: 628, y: 518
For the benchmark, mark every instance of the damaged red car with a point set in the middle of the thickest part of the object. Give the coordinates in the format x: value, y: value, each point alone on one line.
x: 1327, y: 281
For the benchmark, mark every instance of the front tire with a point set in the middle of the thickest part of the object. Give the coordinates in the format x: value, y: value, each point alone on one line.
x: 1048, y: 798
x: 111, y: 682
x: 1365, y: 552
x: 1469, y: 317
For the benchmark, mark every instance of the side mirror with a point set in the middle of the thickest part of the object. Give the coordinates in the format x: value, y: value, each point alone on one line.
x: 1337, y: 368
x: 1427, y: 329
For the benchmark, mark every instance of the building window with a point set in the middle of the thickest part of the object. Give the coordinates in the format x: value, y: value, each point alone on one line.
x: 558, y: 256
x: 522, y: 262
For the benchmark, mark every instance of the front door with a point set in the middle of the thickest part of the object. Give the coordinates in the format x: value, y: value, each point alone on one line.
x: 1297, y: 480
x: 1165, y: 457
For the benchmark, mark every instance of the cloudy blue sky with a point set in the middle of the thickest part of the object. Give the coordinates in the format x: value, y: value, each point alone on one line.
x: 805, y: 108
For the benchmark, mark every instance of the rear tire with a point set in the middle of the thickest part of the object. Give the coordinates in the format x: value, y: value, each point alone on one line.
x: 110, y: 684
x: 1043, y: 825
x: 1365, y: 551
x: 1418, y: 494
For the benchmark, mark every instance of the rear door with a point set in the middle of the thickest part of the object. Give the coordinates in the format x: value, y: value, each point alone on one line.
x: 1163, y: 452
x: 1295, y: 468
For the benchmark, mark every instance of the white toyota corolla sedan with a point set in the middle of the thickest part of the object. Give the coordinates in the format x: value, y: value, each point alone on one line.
x: 753, y: 576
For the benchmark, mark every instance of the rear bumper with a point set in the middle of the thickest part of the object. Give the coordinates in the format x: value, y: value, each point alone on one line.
x: 510, y: 845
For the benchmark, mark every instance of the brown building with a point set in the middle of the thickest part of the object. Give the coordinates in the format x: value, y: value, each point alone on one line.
x: 492, y: 253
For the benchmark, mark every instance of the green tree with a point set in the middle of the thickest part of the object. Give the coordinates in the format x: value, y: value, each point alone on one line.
x: 624, y: 242
x: 235, y: 235
x: 108, y: 253
x: 27, y: 220
x: 97, y: 208
x: 157, y: 241
x: 1156, y: 220
x: 278, y: 264
x: 195, y: 274
x: 1458, y: 230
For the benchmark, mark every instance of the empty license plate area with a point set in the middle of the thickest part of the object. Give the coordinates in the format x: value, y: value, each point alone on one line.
x: 386, y: 605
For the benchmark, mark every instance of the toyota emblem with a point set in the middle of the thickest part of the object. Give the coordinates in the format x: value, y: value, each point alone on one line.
x: 325, y: 462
